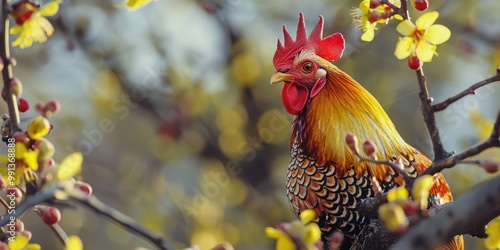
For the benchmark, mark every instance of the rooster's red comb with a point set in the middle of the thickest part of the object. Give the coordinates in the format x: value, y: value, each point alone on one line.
x: 329, y: 48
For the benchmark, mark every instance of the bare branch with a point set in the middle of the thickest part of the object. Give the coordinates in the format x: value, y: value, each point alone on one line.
x: 7, y: 69
x: 469, y: 91
x: 429, y: 118
x: 492, y: 141
x: 408, y: 179
x: 467, y: 215
x: 123, y: 220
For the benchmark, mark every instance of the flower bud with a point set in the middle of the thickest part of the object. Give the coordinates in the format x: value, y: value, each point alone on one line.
x: 369, y: 148
x: 421, y: 188
x: 22, y: 105
x: 393, y: 217
x: 352, y: 142
x: 38, y: 127
x: 16, y: 87
x: 84, y: 187
x: 399, y: 163
x: 336, y: 239
x: 307, y: 216
x: 374, y: 4
x: 399, y: 193
x: 45, y: 150
x: 414, y: 63
x: 50, y: 215
x: 52, y: 107
x: 493, y: 232
x: 420, y: 5
x: 372, y: 16
x: 490, y: 165
x: 19, y: 226
x: 223, y: 246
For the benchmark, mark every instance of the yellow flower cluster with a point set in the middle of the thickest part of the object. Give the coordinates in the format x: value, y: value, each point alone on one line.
x: 393, y: 213
x: 32, y: 26
x: 420, y: 39
x: 292, y: 235
x: 366, y: 18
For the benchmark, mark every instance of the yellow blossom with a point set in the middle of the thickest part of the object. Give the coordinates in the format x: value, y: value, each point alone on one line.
x: 134, y: 4
x: 366, y: 19
x: 397, y: 194
x: 25, y: 163
x: 38, y: 127
x: 21, y: 242
x: 393, y: 216
x: 493, y: 231
x: 36, y: 28
x: 421, y: 188
x: 305, y: 232
x: 421, y: 38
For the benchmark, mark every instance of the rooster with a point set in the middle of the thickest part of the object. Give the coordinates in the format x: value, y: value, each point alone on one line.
x: 327, y: 104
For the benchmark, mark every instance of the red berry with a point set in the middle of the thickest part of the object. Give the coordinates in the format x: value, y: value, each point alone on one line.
x: 23, y: 105
x: 420, y: 5
x: 50, y: 215
x: 85, y: 187
x: 414, y: 63
x: 374, y: 4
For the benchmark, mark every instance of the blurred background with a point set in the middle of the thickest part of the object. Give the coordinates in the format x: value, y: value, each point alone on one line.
x: 172, y: 108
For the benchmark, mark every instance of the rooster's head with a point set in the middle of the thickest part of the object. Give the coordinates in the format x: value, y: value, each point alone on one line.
x: 299, y: 63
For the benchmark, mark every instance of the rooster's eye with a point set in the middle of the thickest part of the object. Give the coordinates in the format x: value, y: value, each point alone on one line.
x: 307, y: 67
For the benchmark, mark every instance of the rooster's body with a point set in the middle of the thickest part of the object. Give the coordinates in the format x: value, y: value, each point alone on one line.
x: 323, y: 173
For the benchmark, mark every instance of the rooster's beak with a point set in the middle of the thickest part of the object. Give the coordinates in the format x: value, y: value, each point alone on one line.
x: 281, y: 77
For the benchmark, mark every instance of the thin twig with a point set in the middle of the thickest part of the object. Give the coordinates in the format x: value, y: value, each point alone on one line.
x: 408, y: 179
x: 492, y: 141
x: 28, y: 203
x: 430, y: 120
x: 469, y: 91
x: 7, y: 75
x: 123, y: 220
x: 56, y: 228
x: 397, y: 10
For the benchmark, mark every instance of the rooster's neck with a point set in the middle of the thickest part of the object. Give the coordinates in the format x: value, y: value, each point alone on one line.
x: 343, y: 106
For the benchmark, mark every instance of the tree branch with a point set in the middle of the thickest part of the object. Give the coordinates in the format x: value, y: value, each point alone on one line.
x: 469, y: 91
x: 467, y: 215
x: 123, y: 220
x: 492, y: 141
x: 429, y: 118
x: 7, y: 75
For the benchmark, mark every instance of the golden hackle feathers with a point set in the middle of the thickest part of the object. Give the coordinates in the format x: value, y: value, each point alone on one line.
x: 343, y: 107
